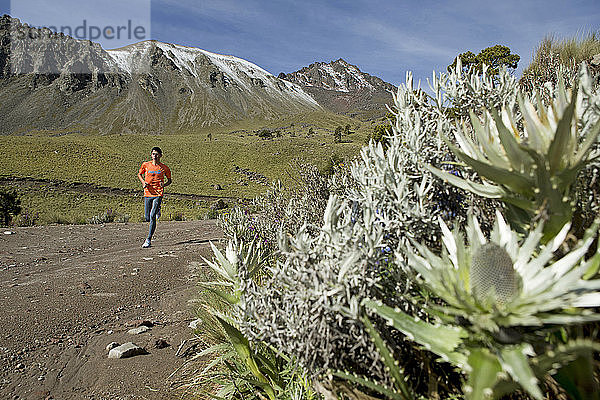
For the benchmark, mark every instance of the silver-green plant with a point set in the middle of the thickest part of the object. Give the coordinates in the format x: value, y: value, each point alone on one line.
x: 310, y: 305
x: 532, y: 172
x: 238, y: 367
x: 500, y: 299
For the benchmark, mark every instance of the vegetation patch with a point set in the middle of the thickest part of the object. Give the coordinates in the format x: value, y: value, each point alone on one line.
x: 198, y: 163
x: 48, y: 203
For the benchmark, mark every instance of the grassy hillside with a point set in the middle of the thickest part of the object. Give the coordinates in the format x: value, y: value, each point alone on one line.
x: 199, y: 161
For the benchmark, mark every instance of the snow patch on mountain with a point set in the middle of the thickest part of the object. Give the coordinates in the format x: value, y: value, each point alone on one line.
x: 240, y: 72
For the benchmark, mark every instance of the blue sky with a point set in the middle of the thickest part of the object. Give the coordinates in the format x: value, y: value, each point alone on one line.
x: 383, y: 38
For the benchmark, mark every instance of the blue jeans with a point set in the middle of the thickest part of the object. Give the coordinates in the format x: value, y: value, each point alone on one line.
x: 151, y: 210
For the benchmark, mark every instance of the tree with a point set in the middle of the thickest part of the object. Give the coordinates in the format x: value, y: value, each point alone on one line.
x: 347, y: 129
x: 10, y: 206
x: 380, y: 135
x: 494, y: 57
x: 337, y: 136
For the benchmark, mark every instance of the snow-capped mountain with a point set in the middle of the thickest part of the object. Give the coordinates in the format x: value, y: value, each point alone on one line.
x: 343, y: 87
x: 61, y: 83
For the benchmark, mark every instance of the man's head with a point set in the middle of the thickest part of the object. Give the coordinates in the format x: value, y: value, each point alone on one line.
x: 156, y: 153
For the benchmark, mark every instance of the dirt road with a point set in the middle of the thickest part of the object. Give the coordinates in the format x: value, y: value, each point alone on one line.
x: 66, y: 292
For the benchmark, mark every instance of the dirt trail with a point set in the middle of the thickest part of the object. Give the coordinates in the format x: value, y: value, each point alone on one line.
x: 66, y: 292
x: 83, y: 187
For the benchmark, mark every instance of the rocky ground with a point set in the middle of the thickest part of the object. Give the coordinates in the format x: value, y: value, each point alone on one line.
x: 66, y: 292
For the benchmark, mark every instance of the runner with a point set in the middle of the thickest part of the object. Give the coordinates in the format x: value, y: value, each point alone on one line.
x: 152, y: 175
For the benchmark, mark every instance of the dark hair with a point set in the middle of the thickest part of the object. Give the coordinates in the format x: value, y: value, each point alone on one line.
x: 157, y: 149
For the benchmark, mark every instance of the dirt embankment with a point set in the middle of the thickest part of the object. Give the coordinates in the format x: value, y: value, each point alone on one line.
x: 66, y: 292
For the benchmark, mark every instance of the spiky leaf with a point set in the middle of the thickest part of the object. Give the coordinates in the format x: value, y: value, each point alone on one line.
x: 483, y: 375
x: 388, y: 358
x: 515, y: 360
x: 439, y: 339
x: 487, y: 191
x: 379, y: 388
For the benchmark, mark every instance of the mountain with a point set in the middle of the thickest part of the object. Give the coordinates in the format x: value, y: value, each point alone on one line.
x: 56, y: 82
x: 343, y: 88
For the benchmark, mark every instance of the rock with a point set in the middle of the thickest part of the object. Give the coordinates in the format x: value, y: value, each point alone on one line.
x: 195, y: 324
x: 9, y: 233
x: 126, y: 350
x: 140, y: 322
x: 217, y: 187
x: 83, y: 287
x: 112, y: 345
x: 138, y: 330
x: 161, y: 343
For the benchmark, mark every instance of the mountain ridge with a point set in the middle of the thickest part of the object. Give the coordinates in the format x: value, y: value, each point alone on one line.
x: 59, y: 83
x: 343, y: 88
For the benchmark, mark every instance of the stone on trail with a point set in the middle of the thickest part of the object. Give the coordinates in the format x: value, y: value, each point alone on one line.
x: 138, y: 330
x: 139, y: 322
x: 112, y: 345
x: 161, y: 343
x: 126, y: 350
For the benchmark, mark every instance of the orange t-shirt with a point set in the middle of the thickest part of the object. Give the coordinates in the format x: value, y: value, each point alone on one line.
x: 153, y: 176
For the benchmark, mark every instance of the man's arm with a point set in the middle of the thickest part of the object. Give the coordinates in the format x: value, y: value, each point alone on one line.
x: 141, y: 178
x: 167, y: 183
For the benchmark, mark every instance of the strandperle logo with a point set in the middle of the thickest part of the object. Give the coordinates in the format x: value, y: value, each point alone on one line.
x: 112, y: 23
x: 87, y: 31
x: 44, y: 27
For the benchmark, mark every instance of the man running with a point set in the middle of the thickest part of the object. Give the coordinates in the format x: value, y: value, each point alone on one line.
x: 152, y: 175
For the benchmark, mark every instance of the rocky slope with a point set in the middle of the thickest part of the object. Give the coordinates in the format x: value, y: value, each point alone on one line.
x: 343, y: 88
x: 59, y: 83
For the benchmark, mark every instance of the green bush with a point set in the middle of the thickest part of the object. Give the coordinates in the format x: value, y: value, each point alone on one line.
x: 10, y: 206
x: 337, y: 135
x: 493, y: 57
x: 265, y: 134
x: 380, y: 134
x: 27, y: 218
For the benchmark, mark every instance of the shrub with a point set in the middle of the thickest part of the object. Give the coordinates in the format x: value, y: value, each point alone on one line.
x: 337, y: 135
x: 333, y: 163
x: 56, y: 218
x: 211, y: 214
x: 10, y: 206
x: 178, y: 216
x: 265, y: 134
x: 381, y: 135
x: 555, y: 58
x: 385, y: 294
x: 123, y: 218
x: 27, y: 218
x: 108, y: 216
x: 494, y: 57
